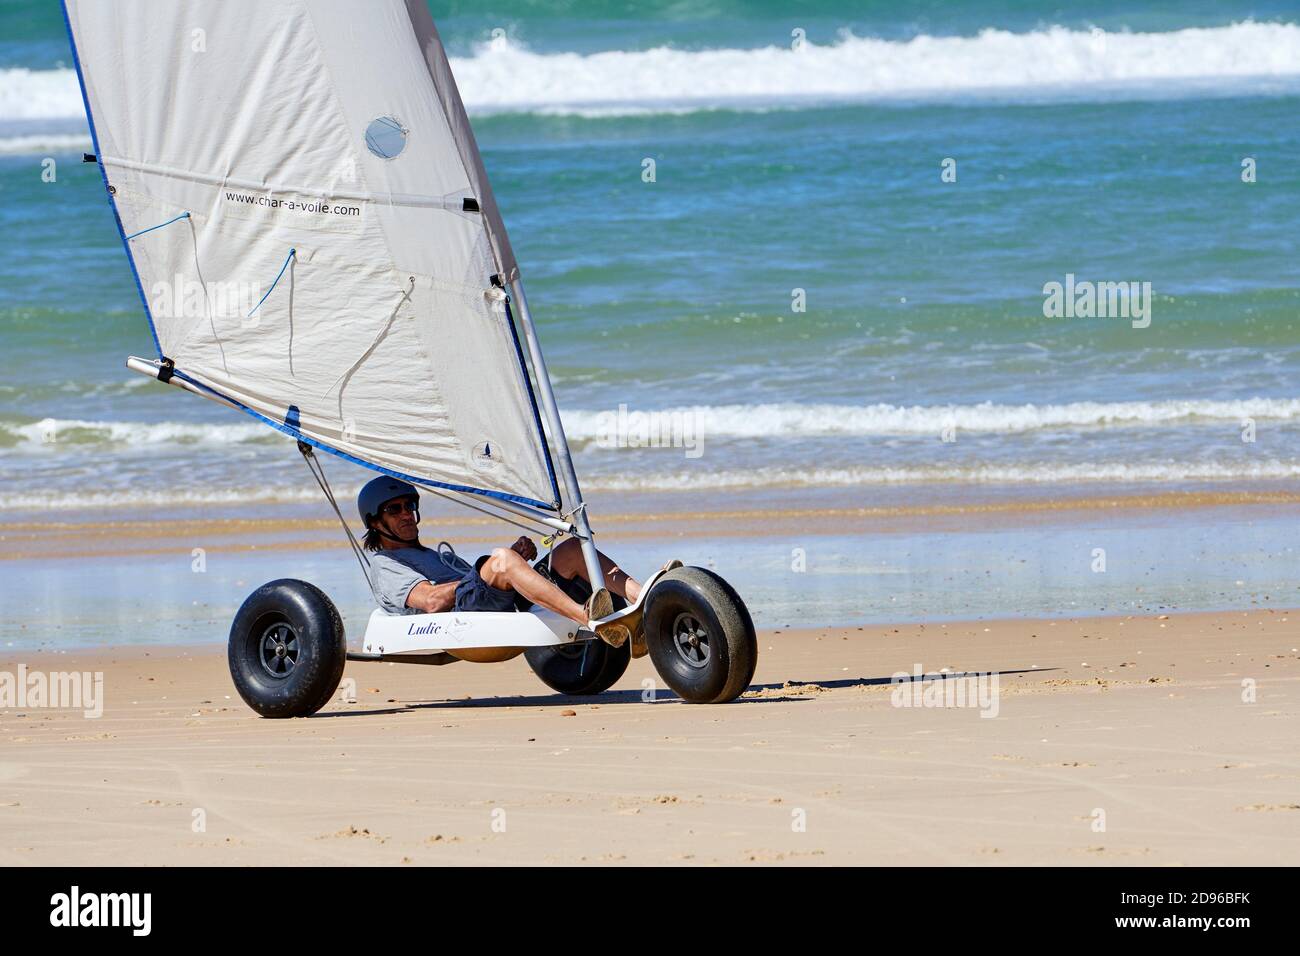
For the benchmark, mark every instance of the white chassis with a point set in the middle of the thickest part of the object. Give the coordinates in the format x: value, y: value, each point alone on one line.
x: 419, y: 634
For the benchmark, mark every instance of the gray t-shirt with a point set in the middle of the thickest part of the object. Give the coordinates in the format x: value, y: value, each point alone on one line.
x: 397, y: 571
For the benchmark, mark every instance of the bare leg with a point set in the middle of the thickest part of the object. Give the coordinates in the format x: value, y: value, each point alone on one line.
x: 567, y: 561
x: 507, y: 571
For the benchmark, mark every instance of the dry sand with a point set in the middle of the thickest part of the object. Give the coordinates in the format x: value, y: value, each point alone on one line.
x: 1139, y: 718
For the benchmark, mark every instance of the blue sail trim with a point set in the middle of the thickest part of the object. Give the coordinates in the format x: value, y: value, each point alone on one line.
x: 532, y: 399
x: 316, y: 443
x: 112, y: 203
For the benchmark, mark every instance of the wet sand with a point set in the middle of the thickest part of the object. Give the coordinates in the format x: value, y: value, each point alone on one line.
x: 298, y: 527
x: 1116, y: 740
x: 818, y: 557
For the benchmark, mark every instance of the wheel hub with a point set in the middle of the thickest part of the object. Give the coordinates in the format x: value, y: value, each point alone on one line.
x: 691, y: 640
x: 279, y: 650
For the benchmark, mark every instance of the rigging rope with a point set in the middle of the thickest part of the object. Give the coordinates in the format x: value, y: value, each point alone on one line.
x: 490, y: 514
x: 567, y: 516
x: 318, y: 472
x: 446, y: 553
x: 184, y: 215
x: 288, y: 259
x: 451, y: 560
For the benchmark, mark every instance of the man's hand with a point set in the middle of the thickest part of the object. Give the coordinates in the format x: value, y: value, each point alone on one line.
x: 525, y: 548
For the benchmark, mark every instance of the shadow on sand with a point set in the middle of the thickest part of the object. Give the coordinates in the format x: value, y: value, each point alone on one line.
x: 662, y: 695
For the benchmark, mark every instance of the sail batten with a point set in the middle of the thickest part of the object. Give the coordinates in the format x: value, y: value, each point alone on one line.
x: 315, y: 159
x: 454, y: 201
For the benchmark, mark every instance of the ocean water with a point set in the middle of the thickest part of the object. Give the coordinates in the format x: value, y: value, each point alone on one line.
x: 1103, y: 141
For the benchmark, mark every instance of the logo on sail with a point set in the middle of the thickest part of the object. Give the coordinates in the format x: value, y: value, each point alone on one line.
x: 485, y: 456
x: 308, y: 207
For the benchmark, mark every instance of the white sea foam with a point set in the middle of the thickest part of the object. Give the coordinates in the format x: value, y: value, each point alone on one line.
x: 45, y: 143
x: 39, y: 94
x: 775, y: 421
x: 796, y: 421
x: 1047, y: 64
x: 56, y: 432
x: 91, y: 500
x: 1053, y: 63
x: 695, y: 478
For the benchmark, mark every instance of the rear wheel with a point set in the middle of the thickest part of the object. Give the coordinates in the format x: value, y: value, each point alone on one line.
x: 287, y: 649
x: 700, y: 636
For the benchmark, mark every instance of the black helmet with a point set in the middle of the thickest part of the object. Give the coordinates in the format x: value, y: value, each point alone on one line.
x: 378, y: 492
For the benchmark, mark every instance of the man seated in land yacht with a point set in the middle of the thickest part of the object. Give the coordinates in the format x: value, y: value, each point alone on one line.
x: 410, y: 578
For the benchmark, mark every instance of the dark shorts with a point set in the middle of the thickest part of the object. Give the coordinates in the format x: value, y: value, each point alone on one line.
x: 475, y: 594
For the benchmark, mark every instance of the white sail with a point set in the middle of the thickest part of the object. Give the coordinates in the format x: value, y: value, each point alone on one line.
x: 333, y: 129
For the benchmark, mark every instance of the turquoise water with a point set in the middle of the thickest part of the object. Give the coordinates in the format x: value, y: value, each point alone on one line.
x: 1104, y: 141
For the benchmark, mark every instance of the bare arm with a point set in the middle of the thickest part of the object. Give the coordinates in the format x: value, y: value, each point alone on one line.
x: 432, y: 598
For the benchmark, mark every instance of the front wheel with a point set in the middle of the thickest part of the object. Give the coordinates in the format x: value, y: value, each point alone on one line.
x: 580, y: 668
x: 287, y: 649
x: 700, y: 636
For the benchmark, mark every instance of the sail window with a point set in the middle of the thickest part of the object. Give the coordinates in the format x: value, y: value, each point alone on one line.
x: 385, y: 137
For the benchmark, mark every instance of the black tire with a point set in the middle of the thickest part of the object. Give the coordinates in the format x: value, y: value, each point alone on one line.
x: 587, y: 667
x: 701, y: 637
x: 581, y: 668
x: 287, y: 649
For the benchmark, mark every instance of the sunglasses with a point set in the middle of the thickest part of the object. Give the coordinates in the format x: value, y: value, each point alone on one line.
x: 398, y: 507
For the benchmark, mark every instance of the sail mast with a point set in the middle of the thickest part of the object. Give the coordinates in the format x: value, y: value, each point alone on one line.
x: 578, y: 511
x: 445, y: 84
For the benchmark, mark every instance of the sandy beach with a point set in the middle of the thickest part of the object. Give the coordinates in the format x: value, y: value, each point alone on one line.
x: 1115, y: 740
x: 1004, y: 465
